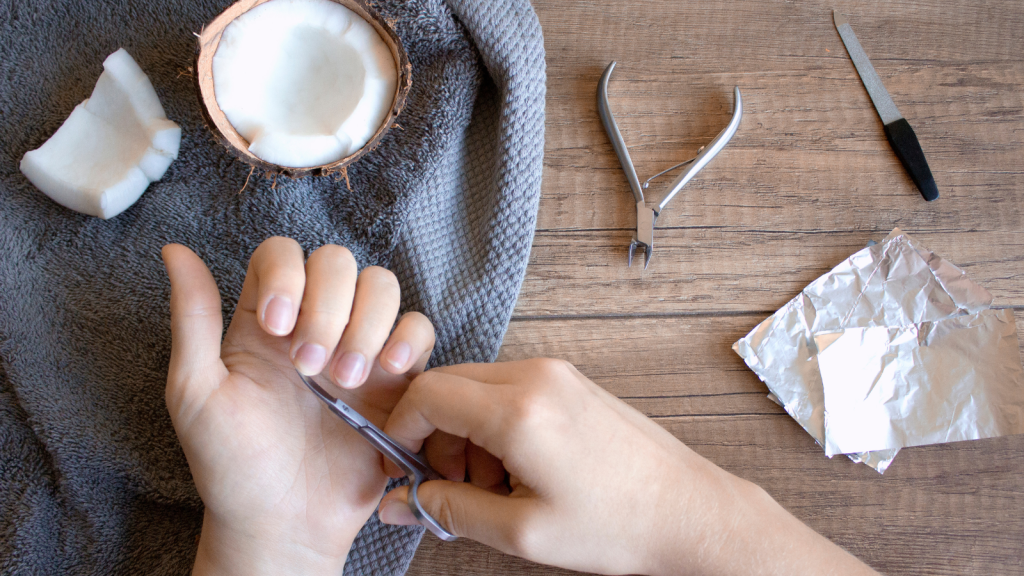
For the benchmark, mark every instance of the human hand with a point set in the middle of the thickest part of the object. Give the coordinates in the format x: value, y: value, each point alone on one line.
x: 593, y: 485
x: 286, y: 484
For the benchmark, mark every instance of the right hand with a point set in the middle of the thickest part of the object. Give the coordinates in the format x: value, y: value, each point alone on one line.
x: 592, y: 484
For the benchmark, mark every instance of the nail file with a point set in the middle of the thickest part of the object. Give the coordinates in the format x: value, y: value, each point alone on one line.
x: 901, y: 136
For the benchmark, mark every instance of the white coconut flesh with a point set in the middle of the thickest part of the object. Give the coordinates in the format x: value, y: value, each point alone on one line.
x: 110, y: 148
x: 305, y: 82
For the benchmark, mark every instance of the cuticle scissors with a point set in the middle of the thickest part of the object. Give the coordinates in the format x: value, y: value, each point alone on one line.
x: 412, y: 464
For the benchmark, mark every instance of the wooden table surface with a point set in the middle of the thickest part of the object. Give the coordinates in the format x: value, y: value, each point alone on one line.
x: 808, y: 179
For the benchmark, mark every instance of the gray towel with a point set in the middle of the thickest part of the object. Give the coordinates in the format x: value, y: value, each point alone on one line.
x: 92, y: 478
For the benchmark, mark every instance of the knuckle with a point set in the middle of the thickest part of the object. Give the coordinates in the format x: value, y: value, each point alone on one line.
x: 381, y: 278
x: 181, y: 405
x: 336, y: 255
x: 275, y: 259
x: 549, y: 369
x: 421, y: 384
x: 525, y: 536
x: 449, y: 514
x: 529, y: 410
x: 324, y: 318
x: 279, y: 242
x: 421, y: 323
x: 416, y: 318
x: 174, y: 394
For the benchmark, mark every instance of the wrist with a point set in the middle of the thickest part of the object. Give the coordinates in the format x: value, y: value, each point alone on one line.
x: 253, y: 550
x: 712, y: 519
x: 730, y: 526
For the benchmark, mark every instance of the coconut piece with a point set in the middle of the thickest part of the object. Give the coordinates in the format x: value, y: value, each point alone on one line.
x: 301, y: 86
x: 110, y: 148
x: 306, y: 82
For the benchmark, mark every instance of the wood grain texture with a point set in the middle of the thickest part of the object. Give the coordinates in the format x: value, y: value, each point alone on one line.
x: 808, y: 180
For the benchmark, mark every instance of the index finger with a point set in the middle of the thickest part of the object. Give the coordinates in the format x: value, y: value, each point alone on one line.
x: 459, y: 406
x: 274, y: 283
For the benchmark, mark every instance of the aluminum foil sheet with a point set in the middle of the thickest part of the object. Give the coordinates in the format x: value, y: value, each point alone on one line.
x: 894, y: 347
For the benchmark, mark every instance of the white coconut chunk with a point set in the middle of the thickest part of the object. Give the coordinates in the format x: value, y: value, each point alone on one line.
x: 110, y: 148
x: 286, y: 149
x: 164, y: 141
x: 134, y: 83
x: 87, y: 166
x: 164, y: 137
x: 154, y: 164
x: 361, y: 125
x: 305, y: 82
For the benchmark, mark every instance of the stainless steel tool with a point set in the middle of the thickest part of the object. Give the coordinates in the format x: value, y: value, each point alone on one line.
x: 897, y: 130
x: 412, y: 464
x: 645, y: 216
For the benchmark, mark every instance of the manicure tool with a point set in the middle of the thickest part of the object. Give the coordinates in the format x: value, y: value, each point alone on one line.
x: 901, y: 136
x: 646, y: 217
x: 412, y: 464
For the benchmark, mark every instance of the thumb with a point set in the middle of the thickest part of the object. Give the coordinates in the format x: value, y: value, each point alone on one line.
x: 464, y: 510
x: 196, y: 325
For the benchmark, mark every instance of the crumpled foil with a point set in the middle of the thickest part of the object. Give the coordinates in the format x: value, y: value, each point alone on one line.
x: 894, y: 347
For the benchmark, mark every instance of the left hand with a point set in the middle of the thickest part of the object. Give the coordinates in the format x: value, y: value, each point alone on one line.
x: 593, y: 484
x: 286, y: 484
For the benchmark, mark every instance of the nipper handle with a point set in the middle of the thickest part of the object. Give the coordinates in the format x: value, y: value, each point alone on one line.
x: 710, y: 151
x: 608, y: 119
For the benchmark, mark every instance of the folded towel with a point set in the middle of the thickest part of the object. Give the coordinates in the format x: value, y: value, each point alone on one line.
x: 92, y: 478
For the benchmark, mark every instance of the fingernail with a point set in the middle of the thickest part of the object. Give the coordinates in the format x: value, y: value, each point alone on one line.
x: 397, y: 513
x: 349, y: 369
x: 277, y: 316
x: 399, y: 354
x: 310, y: 359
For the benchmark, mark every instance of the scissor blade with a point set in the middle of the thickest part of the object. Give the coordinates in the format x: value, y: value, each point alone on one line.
x: 344, y: 411
x: 412, y: 464
x: 404, y: 458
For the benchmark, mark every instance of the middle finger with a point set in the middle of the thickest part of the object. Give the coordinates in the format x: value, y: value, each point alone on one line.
x: 326, y: 307
x: 374, y: 310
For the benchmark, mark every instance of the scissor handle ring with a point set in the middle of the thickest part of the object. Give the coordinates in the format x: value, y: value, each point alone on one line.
x: 422, y: 515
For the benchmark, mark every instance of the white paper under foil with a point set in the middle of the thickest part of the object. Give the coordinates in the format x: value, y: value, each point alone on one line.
x: 946, y: 381
x: 895, y: 292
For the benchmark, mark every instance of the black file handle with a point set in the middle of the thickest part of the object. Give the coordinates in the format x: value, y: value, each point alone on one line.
x: 904, y: 142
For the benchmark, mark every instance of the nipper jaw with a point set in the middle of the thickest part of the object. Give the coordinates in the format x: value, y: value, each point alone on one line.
x: 644, y: 235
x: 646, y: 217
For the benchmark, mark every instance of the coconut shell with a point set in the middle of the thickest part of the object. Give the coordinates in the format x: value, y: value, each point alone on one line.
x: 226, y: 134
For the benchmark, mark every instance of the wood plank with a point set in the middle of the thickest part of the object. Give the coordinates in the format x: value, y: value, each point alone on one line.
x: 946, y: 509
x: 811, y: 146
x: 711, y: 270
x: 638, y: 358
x: 807, y: 180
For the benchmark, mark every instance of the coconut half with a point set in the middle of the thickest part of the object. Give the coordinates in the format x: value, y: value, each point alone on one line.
x: 100, y: 161
x: 301, y: 86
